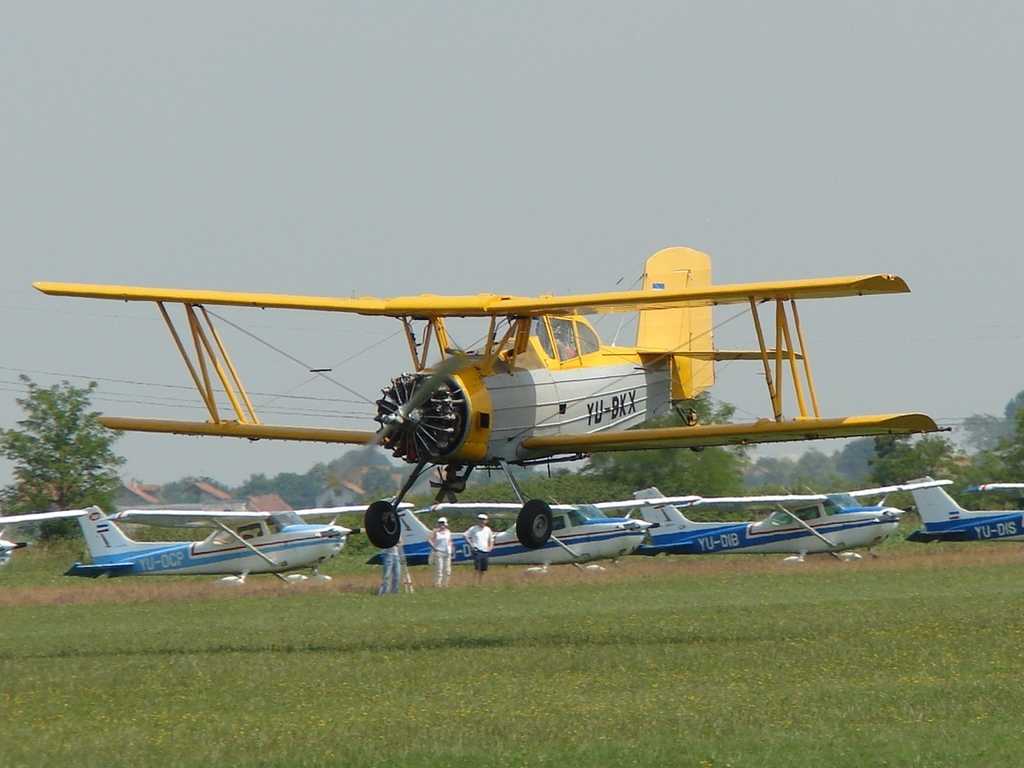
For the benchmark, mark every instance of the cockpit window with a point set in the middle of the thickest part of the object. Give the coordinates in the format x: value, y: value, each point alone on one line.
x: 832, y: 507
x: 842, y: 501
x: 279, y: 520
x: 540, y: 330
x: 576, y: 518
x: 808, y: 513
x: 250, y: 531
x: 565, y: 339
x: 588, y: 339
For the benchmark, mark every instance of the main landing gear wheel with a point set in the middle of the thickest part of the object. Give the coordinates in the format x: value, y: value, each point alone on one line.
x: 533, y: 526
x: 381, y: 524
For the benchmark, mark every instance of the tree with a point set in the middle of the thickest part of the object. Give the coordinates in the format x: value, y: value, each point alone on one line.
x: 899, y: 458
x: 710, y: 472
x: 62, y: 455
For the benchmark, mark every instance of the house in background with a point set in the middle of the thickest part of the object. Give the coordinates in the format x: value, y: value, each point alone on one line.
x: 135, y: 495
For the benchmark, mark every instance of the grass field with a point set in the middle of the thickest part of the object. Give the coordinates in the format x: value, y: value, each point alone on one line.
x: 914, y: 659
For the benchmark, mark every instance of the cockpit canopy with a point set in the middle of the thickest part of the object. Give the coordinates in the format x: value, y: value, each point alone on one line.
x: 565, y: 338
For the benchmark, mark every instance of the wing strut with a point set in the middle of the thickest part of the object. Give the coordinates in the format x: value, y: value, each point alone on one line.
x: 785, y: 352
x: 831, y: 545
x: 247, y: 544
x: 218, y: 359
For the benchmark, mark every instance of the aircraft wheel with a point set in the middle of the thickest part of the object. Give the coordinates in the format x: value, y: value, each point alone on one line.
x: 381, y: 524
x: 533, y: 526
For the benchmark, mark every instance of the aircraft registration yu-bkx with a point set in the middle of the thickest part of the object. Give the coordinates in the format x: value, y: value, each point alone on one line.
x: 797, y: 524
x: 9, y: 523
x: 580, y: 534
x: 945, y: 520
x: 241, y: 543
x: 541, y: 386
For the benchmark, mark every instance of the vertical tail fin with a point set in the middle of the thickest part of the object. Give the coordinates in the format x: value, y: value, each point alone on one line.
x: 413, y: 529
x: 935, y: 505
x: 682, y: 331
x: 104, y: 539
x: 665, y: 515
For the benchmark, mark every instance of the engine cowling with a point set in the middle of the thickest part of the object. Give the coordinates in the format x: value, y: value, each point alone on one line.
x: 452, y: 424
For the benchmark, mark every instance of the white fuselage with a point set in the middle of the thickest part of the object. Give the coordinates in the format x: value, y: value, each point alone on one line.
x: 540, y: 402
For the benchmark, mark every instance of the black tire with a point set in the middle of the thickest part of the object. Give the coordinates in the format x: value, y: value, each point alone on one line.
x: 382, y: 526
x: 533, y: 526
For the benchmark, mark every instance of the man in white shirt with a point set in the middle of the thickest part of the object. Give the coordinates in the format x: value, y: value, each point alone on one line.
x: 481, y: 540
x: 441, y: 550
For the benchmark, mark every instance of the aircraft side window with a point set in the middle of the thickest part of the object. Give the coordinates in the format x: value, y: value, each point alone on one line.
x: 808, y: 513
x: 251, y: 531
x: 565, y: 339
x: 588, y: 339
x: 557, y: 523
x: 540, y: 330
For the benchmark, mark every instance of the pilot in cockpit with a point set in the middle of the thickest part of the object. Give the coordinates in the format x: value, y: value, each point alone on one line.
x: 565, y: 339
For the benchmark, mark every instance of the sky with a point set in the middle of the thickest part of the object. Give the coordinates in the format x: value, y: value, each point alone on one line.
x: 388, y: 149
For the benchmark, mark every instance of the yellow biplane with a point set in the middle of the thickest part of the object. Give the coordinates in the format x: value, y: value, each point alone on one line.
x: 542, y: 386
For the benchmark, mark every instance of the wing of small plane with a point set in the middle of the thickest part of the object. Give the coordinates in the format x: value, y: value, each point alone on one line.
x: 186, y: 518
x: 203, y: 518
x: 39, y: 517
x: 885, y: 490
x: 1013, y: 490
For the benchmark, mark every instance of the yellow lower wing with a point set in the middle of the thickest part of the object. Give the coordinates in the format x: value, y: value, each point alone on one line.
x: 238, y: 429
x: 763, y: 431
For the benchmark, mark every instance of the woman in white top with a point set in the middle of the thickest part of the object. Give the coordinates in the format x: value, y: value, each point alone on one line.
x: 442, y: 549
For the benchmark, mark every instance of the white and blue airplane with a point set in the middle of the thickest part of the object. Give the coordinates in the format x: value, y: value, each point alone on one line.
x: 798, y: 524
x: 580, y: 534
x: 241, y: 543
x: 10, y: 523
x: 945, y: 520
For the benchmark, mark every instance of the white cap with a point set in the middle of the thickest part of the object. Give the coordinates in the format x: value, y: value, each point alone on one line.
x: 481, y: 516
x: 443, y: 520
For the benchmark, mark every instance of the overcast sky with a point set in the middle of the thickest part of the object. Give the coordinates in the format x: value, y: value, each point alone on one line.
x: 402, y: 148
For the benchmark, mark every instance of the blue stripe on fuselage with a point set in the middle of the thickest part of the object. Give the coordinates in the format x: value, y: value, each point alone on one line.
x: 983, y: 527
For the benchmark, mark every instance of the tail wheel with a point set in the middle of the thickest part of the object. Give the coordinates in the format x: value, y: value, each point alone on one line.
x: 382, y: 526
x: 534, y: 524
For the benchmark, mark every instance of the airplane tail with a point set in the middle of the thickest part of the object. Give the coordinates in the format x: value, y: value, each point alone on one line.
x: 663, y: 515
x: 102, y: 537
x: 414, y: 531
x: 934, y: 505
x: 682, y: 334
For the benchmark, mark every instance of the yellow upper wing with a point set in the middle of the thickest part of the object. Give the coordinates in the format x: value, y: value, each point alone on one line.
x: 493, y: 305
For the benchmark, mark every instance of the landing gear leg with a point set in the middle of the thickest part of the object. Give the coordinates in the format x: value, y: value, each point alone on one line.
x: 534, y: 523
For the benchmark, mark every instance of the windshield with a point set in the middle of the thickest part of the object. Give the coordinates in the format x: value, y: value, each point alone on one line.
x: 842, y: 501
x: 279, y: 520
x: 575, y: 518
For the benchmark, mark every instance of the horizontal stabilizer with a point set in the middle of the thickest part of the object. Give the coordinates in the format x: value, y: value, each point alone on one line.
x: 239, y: 429
x: 925, y: 537
x: 95, y: 571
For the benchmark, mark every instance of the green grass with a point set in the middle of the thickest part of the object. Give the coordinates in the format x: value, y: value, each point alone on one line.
x: 914, y: 660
